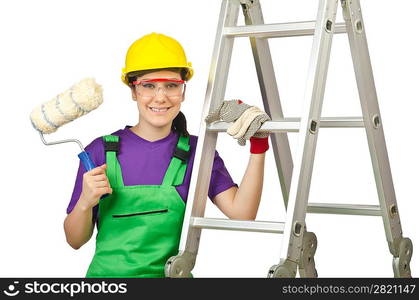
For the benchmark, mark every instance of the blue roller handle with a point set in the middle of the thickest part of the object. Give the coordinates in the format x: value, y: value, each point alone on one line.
x: 88, y: 164
x: 86, y: 161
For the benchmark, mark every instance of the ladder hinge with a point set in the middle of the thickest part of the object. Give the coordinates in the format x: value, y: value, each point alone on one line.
x: 245, y: 4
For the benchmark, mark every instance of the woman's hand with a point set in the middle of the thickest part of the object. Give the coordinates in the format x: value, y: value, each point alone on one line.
x: 247, y: 122
x: 95, y: 185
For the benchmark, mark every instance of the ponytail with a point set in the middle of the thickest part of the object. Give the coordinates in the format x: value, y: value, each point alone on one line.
x: 179, y: 124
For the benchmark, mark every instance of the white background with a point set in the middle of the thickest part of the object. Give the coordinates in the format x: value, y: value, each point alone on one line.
x: 49, y: 45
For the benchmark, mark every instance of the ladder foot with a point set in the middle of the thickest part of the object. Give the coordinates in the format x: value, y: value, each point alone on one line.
x: 306, y: 266
x: 287, y: 269
x: 180, y: 266
x: 401, y: 264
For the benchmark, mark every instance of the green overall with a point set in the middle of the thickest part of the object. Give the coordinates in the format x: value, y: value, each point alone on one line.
x: 139, y: 226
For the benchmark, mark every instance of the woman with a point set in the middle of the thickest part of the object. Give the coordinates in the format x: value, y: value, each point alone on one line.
x: 137, y: 193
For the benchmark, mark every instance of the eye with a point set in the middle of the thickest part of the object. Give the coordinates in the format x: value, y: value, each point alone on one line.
x: 148, y: 86
x: 172, y: 85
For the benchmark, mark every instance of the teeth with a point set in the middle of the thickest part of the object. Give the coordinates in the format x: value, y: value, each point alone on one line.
x: 158, y: 109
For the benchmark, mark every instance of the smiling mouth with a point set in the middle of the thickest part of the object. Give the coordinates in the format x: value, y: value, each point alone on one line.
x: 160, y: 109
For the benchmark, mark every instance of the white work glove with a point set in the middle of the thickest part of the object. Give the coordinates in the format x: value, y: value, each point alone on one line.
x: 248, y: 124
x: 248, y: 120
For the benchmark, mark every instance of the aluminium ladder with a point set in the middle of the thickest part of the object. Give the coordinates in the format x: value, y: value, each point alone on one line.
x: 299, y: 245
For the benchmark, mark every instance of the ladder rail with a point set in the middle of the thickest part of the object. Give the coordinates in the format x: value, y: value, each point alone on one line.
x: 304, y: 159
x: 270, y: 96
x: 373, y: 122
x: 205, y: 150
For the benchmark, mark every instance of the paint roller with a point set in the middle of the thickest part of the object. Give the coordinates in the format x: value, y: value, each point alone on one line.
x: 78, y: 100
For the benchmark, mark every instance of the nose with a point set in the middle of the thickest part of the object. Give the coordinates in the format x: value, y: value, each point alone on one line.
x: 161, y: 95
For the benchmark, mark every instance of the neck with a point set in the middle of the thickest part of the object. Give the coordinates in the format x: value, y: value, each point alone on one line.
x: 151, y: 133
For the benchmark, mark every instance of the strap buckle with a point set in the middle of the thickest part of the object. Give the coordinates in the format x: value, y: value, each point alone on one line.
x: 112, y: 146
x: 181, y: 154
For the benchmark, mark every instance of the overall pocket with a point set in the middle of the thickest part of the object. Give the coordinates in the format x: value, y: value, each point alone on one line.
x: 141, y: 213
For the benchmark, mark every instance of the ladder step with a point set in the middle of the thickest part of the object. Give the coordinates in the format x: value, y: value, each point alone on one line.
x: 238, y: 225
x: 344, y: 209
x: 278, y: 227
x: 293, y: 124
x: 277, y: 30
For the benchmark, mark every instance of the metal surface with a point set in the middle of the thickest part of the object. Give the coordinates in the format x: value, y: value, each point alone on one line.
x: 293, y: 124
x: 307, y: 266
x: 180, y: 266
x: 61, y: 141
x: 285, y: 269
x: 238, y: 225
x: 205, y: 149
x: 277, y: 30
x: 312, y: 104
x: 344, y: 209
x: 401, y: 264
x: 269, y: 91
x: 375, y: 135
x: 298, y: 246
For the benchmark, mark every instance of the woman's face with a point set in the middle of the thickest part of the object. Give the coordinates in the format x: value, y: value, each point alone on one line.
x: 160, y: 109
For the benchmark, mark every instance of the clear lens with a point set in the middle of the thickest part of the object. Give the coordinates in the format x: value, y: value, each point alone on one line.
x: 171, y: 89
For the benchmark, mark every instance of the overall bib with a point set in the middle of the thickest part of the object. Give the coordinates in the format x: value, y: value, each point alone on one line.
x: 139, y: 226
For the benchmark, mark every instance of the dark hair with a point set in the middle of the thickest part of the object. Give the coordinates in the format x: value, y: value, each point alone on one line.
x: 179, y: 123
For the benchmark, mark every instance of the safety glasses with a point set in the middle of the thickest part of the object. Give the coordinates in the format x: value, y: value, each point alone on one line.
x: 149, y: 88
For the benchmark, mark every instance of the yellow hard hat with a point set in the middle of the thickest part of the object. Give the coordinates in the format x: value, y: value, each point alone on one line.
x: 155, y: 51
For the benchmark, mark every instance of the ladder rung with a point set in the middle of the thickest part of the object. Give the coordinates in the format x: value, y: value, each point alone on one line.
x: 293, y: 124
x: 239, y: 225
x: 277, y: 30
x: 344, y: 209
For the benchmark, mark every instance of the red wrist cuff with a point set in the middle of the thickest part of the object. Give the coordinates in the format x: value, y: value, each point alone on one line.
x: 259, y: 145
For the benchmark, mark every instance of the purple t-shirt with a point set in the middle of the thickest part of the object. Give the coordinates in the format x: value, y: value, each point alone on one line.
x: 145, y: 163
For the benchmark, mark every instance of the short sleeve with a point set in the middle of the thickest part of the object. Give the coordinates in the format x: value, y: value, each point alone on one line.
x: 220, y: 178
x: 96, y: 151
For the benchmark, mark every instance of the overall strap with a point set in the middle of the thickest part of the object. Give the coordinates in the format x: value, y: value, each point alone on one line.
x: 113, y: 169
x: 177, y: 167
